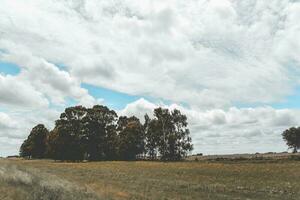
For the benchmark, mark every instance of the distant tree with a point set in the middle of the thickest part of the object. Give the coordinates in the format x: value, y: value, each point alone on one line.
x: 54, y: 146
x: 292, y: 138
x: 25, y: 150
x: 180, y: 141
x: 98, y: 134
x: 100, y: 128
x: 152, y: 135
x: 174, y: 142
x: 35, y: 145
x: 131, y: 138
x: 68, y: 139
x: 84, y: 133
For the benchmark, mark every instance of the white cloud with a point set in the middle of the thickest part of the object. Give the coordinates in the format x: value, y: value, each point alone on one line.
x: 205, y: 53
x: 138, y: 108
x: 234, y: 130
x: 208, y: 54
x: 14, y: 92
x: 5, y: 121
x: 44, y: 78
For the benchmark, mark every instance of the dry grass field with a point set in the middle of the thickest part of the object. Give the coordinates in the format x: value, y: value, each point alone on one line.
x: 45, y: 179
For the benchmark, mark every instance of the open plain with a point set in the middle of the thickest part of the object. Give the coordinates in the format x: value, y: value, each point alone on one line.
x: 235, y: 179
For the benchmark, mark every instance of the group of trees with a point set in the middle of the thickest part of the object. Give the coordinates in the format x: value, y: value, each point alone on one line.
x: 97, y: 133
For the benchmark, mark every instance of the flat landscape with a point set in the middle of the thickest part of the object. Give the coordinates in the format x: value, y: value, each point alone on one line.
x: 240, y: 179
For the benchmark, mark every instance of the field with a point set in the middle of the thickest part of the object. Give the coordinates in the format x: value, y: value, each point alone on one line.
x: 45, y: 179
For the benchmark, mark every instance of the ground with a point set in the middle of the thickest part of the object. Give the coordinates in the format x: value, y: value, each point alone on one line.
x: 239, y: 179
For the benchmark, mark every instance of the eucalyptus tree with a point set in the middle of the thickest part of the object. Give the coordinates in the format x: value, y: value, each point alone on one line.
x: 167, y: 133
x: 35, y: 145
x: 100, y: 128
x: 67, y: 141
x: 131, y: 138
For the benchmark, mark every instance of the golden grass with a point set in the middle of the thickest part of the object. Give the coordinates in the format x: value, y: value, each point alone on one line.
x: 180, y: 180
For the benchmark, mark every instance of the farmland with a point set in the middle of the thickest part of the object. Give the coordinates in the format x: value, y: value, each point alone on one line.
x: 244, y: 179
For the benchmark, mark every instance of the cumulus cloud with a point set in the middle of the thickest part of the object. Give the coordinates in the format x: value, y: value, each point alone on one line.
x: 40, y: 80
x: 230, y: 130
x: 14, y: 92
x: 211, y: 53
x: 138, y: 108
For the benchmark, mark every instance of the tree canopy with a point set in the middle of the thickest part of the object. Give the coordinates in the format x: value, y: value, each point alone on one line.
x: 98, y: 133
x: 35, y: 145
x: 292, y: 138
x: 168, y: 134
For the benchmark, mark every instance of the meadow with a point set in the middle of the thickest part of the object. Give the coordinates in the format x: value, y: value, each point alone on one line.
x: 207, y: 180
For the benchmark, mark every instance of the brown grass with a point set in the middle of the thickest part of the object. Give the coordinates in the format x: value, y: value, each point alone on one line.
x: 180, y: 180
x: 19, y: 182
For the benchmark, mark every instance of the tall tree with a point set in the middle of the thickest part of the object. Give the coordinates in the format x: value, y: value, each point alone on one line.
x: 180, y: 141
x: 68, y: 139
x: 35, y: 145
x: 152, y: 135
x: 84, y: 133
x: 100, y: 128
x: 97, y: 134
x: 174, y: 141
x: 131, y: 138
x: 292, y: 138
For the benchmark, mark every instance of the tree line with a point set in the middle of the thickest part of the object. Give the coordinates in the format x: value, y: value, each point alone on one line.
x: 98, y: 133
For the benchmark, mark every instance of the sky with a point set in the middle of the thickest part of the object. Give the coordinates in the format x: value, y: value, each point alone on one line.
x: 231, y: 66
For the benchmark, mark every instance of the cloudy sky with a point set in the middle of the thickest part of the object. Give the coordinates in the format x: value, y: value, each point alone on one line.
x: 231, y: 66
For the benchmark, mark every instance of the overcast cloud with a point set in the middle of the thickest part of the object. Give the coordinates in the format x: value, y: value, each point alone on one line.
x: 211, y: 56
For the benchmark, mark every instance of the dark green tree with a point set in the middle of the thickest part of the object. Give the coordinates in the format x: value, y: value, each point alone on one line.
x: 98, y: 134
x: 25, y: 151
x: 35, y: 145
x: 100, y: 128
x: 68, y: 139
x: 131, y: 138
x: 54, y: 145
x: 84, y: 133
x: 292, y: 138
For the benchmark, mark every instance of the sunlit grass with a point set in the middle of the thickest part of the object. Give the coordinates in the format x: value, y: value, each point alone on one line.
x: 180, y: 180
x: 24, y: 182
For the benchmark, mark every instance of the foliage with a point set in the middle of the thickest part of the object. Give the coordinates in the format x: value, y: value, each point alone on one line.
x: 98, y: 134
x: 292, y: 138
x: 152, y: 135
x: 35, y: 145
x: 168, y: 133
x: 67, y: 140
x: 100, y: 131
x: 131, y: 138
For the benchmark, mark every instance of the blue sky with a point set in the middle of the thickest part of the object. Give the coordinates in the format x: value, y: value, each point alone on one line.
x: 113, y: 99
x: 9, y: 68
x: 291, y: 101
x: 118, y: 100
